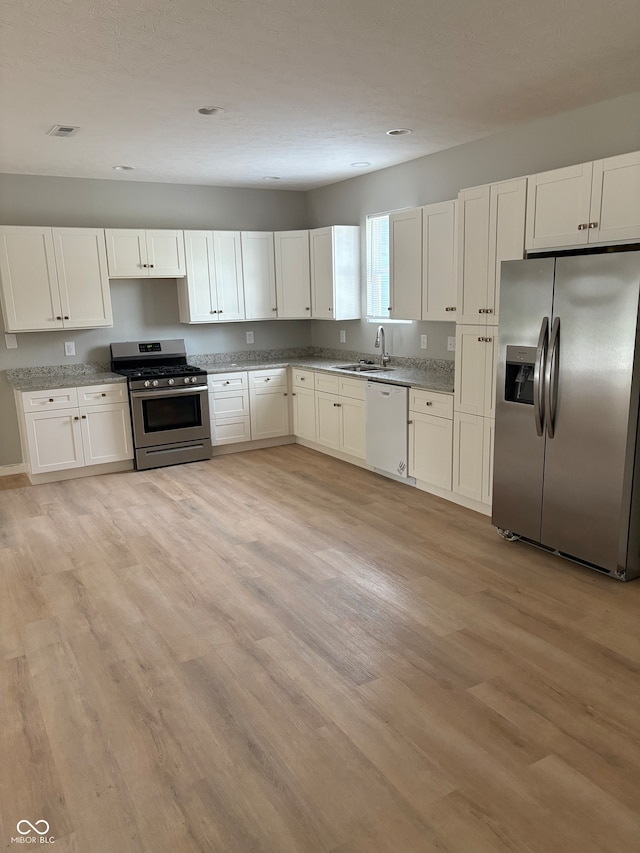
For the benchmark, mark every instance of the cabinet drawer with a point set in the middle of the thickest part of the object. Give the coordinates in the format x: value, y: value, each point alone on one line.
x: 231, y: 430
x: 41, y: 401
x: 431, y: 403
x: 302, y: 378
x: 229, y: 404
x: 227, y: 381
x: 95, y: 395
x: 263, y: 378
x: 353, y: 388
x: 328, y: 382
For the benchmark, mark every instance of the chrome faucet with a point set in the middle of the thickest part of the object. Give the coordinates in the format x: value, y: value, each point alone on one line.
x: 385, y: 358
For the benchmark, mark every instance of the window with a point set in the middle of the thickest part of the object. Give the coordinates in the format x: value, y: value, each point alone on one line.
x: 378, y: 266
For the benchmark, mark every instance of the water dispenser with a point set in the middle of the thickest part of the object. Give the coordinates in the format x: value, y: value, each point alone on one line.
x: 520, y: 363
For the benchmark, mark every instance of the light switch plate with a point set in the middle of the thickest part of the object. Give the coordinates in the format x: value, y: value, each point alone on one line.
x: 451, y: 343
x: 343, y: 336
x: 250, y: 337
x: 69, y: 347
x: 11, y: 342
x: 423, y: 341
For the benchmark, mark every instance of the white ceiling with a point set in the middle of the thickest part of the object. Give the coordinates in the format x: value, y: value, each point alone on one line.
x: 308, y: 86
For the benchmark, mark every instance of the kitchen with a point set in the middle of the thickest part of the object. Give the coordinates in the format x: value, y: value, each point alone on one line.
x: 340, y: 599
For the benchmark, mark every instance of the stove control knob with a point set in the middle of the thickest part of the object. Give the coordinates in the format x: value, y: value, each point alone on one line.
x: 186, y: 380
x: 155, y: 383
x: 194, y: 379
x: 171, y: 381
x: 146, y: 383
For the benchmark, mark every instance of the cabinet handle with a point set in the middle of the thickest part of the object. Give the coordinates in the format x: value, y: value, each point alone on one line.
x: 144, y: 265
x: 488, y: 311
x: 84, y: 417
x: 66, y: 316
x: 76, y: 418
x: 593, y: 225
x: 274, y: 309
x: 152, y: 265
x: 285, y: 394
x: 293, y: 393
x: 307, y: 309
x: 450, y: 308
x: 212, y: 312
x: 103, y: 394
x: 428, y: 403
x: 329, y: 309
x: 51, y: 399
x: 58, y: 318
x: 302, y: 379
x: 228, y: 382
x: 485, y: 340
x: 268, y: 379
x: 482, y: 311
x: 583, y: 226
x: 409, y: 422
x: 389, y: 308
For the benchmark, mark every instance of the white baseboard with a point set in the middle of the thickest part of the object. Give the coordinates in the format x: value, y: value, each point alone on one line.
x: 9, y: 470
x: 455, y: 498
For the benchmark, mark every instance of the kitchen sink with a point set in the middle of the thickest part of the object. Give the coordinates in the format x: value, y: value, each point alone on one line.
x: 363, y: 368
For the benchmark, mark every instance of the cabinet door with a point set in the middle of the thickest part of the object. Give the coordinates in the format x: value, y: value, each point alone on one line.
x: 328, y: 419
x: 81, y: 262
x: 165, y: 253
x: 227, y: 257
x: 405, y: 264
x: 474, y: 387
x: 352, y: 424
x: 106, y: 433
x: 229, y: 404
x: 30, y: 295
x: 507, y: 208
x: 487, y: 461
x: 615, y: 199
x: 558, y: 206
x: 322, y: 279
x: 126, y: 253
x: 259, y: 275
x: 304, y: 413
x: 473, y: 254
x: 468, y: 450
x: 196, y: 294
x: 54, y: 440
x: 269, y: 412
x: 230, y: 430
x: 439, y: 286
x: 293, y: 275
x: 431, y: 449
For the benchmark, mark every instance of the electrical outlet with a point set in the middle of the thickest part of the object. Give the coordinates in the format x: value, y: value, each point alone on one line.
x: 250, y: 337
x: 11, y: 342
x: 69, y: 348
x: 451, y: 343
x: 343, y: 336
x: 423, y: 341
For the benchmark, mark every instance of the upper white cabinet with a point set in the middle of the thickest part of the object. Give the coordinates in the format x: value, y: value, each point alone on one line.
x: 293, y: 274
x: 212, y: 290
x: 587, y: 204
x: 491, y: 225
x: 259, y: 275
x: 335, y: 272
x: 439, y: 261
x: 405, y: 264
x: 134, y: 253
x: 54, y: 278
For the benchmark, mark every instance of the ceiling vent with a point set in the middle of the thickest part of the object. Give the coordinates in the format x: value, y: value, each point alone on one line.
x: 62, y: 130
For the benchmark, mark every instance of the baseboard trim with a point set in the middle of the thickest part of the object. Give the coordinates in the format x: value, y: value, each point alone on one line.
x: 448, y: 495
x: 241, y: 446
x: 337, y: 454
x: 75, y: 473
x: 10, y: 470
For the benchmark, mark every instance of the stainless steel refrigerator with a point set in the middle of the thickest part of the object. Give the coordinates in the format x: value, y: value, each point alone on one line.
x: 567, y: 461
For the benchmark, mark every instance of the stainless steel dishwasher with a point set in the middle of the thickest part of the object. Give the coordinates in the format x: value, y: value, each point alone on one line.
x: 386, y: 428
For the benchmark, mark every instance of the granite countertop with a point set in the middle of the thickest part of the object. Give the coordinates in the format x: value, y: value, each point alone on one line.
x: 60, y: 376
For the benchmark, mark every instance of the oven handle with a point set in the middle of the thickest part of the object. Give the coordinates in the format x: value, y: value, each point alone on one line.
x: 168, y: 392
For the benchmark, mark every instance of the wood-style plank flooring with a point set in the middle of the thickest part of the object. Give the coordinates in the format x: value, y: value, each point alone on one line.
x: 276, y: 652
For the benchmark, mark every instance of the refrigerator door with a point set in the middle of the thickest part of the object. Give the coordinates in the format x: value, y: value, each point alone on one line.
x: 526, y: 297
x: 587, y: 480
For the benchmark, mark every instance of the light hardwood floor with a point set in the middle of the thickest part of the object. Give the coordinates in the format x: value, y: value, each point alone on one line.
x: 276, y: 652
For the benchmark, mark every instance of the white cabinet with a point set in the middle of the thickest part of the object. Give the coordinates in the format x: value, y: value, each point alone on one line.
x: 405, y: 264
x: 491, y: 227
x: 304, y: 406
x: 340, y: 414
x: 54, y: 278
x: 473, y: 457
x: 269, y: 403
x: 213, y: 290
x: 335, y: 272
x: 76, y: 427
x: 328, y: 419
x: 229, y: 407
x: 439, y: 284
x: 259, y: 275
x: 293, y: 274
x: 431, y: 437
x: 587, y: 204
x: 475, y: 370
x: 136, y: 253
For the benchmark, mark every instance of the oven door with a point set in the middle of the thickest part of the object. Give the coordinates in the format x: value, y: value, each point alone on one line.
x: 169, y: 416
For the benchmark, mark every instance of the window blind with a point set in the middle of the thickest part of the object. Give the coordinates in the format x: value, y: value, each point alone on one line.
x: 378, y: 266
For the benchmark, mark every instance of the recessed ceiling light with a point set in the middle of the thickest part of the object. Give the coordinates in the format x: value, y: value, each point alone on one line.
x: 123, y: 168
x: 271, y: 178
x: 362, y: 165
x: 399, y: 131
x: 210, y: 111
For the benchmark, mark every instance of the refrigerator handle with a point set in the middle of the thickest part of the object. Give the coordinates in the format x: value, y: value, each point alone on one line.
x: 538, y: 375
x: 551, y: 378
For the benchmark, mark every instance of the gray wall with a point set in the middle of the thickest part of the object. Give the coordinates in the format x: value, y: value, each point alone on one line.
x: 601, y: 130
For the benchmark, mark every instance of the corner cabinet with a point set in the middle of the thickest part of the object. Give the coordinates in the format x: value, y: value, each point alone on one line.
x: 593, y: 203
x: 134, y: 253
x: 54, y: 278
x: 293, y: 275
x: 335, y: 272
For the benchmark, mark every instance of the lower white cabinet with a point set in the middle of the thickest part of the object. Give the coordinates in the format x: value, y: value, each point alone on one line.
x: 229, y: 408
x: 269, y: 403
x: 431, y: 437
x: 340, y: 414
x: 303, y: 404
x: 76, y: 427
x: 473, y: 456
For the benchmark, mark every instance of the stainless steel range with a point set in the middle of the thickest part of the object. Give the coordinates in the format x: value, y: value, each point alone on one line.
x: 169, y: 402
